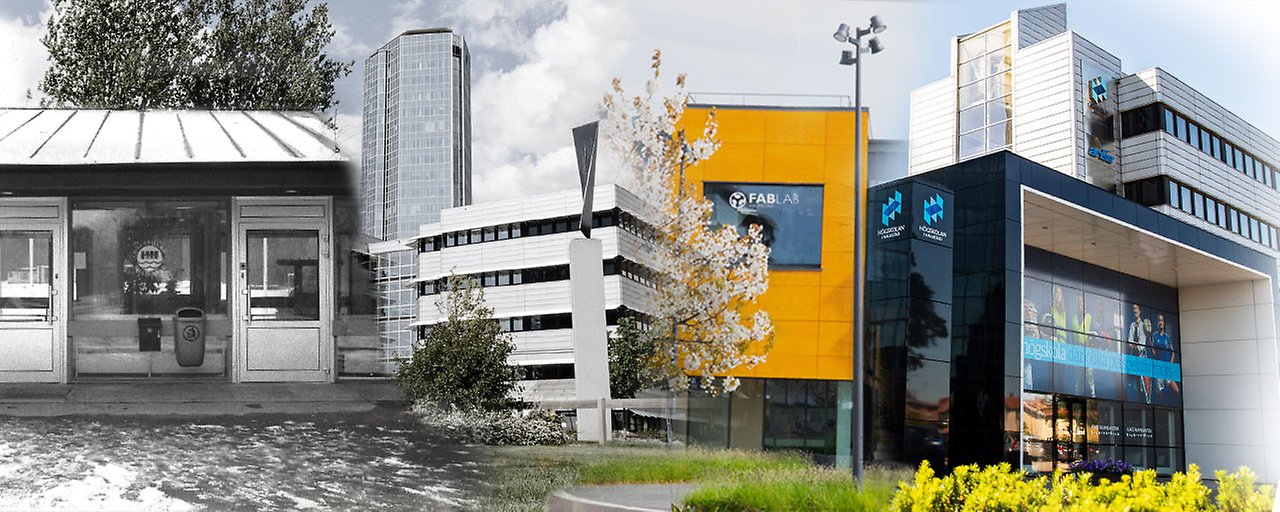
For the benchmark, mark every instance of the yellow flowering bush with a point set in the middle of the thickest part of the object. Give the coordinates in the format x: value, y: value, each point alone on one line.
x: 1000, y: 488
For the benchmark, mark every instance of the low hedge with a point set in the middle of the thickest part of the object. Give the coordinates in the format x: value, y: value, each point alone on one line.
x: 501, y: 427
x: 999, y: 487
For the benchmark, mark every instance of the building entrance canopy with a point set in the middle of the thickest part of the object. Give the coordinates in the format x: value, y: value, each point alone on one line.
x: 1063, y: 228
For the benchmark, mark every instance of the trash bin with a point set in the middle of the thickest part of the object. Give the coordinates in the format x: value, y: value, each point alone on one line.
x: 188, y: 337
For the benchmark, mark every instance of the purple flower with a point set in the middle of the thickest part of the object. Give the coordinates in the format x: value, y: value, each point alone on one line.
x: 1102, y: 466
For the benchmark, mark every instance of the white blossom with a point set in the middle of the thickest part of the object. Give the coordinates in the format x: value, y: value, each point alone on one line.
x: 708, y: 279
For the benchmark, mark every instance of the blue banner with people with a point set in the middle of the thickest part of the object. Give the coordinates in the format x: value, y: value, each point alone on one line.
x: 1086, y: 357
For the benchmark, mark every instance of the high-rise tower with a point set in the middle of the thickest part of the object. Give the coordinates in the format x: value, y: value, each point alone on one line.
x: 416, y: 158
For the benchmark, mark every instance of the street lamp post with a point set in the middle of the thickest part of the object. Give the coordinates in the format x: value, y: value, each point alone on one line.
x: 854, y: 58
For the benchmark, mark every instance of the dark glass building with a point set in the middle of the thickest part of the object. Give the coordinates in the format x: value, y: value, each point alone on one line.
x: 1015, y: 313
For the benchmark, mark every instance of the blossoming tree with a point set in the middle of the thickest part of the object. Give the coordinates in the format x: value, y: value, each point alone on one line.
x: 705, y: 318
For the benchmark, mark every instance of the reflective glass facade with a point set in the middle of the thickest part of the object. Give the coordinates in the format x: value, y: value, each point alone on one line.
x: 1087, y: 366
x: 985, y: 83
x: 1101, y: 367
x: 803, y: 415
x: 416, y: 159
x: 417, y: 132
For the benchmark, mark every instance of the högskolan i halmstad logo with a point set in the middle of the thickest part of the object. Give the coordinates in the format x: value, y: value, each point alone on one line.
x: 933, y: 209
x: 891, y: 208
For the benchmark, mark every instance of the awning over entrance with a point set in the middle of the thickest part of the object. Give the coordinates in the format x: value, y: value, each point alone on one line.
x: 1060, y: 227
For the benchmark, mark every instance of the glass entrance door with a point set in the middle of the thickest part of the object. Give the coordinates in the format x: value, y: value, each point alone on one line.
x: 1070, y: 435
x: 27, y: 315
x: 284, y: 307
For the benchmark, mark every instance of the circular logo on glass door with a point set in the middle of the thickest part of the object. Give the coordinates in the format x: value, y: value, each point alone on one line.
x: 149, y: 257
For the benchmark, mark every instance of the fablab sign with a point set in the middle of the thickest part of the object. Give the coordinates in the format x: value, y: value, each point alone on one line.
x: 740, y: 200
x: 789, y: 216
x: 923, y: 211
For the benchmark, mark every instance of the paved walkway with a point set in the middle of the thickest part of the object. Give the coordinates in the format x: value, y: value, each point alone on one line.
x: 610, y: 498
x: 376, y: 460
x: 194, y: 398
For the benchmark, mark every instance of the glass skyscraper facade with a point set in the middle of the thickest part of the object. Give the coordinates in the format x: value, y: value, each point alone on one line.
x: 416, y: 158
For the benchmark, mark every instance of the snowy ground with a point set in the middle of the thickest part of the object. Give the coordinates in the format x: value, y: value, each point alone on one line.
x: 368, y: 461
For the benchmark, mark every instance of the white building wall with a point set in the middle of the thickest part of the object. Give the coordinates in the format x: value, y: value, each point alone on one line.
x: 1158, y: 152
x: 1049, y: 100
x: 541, y: 347
x: 1043, y: 97
x: 1156, y: 85
x: 1030, y: 26
x: 932, y: 143
x: 1231, y: 399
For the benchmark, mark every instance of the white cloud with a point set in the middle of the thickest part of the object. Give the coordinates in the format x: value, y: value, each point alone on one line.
x: 345, y: 46
x: 23, y: 59
x: 522, y: 117
x: 406, y: 15
x: 349, y: 135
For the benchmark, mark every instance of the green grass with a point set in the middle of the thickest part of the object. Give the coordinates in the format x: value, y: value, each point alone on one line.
x: 690, y: 465
x: 523, y: 476
x: 813, y: 489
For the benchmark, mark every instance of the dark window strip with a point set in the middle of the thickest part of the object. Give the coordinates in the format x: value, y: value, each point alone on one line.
x: 551, y: 226
x: 1162, y: 190
x: 1158, y: 116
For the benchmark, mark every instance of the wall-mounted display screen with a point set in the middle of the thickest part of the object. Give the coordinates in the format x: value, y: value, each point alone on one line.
x: 789, y: 215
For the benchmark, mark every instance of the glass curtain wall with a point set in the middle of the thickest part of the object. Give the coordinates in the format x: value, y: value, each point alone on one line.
x: 1101, y: 367
x: 774, y: 414
x: 985, y: 83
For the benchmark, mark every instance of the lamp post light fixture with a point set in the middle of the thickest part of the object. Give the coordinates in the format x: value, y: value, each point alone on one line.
x: 853, y: 36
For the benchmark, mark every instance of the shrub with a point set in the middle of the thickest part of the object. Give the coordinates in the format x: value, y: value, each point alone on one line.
x: 1238, y: 492
x: 506, y: 427
x: 461, y: 361
x: 1001, y: 488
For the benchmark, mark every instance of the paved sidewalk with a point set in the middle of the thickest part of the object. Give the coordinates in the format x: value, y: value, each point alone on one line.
x: 610, y: 498
x: 194, y: 398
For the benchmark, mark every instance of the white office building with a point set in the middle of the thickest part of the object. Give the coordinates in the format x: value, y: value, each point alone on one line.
x: 1029, y: 85
x: 518, y: 249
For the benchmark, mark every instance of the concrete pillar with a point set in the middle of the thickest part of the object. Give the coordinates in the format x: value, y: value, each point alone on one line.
x: 590, y: 339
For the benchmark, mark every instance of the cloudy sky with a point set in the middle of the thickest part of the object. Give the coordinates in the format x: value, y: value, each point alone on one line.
x: 541, y: 66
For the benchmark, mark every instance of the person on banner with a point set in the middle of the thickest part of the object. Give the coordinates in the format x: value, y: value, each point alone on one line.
x: 1160, y: 339
x: 1030, y: 330
x: 1082, y: 325
x: 1057, y: 316
x: 1138, y: 331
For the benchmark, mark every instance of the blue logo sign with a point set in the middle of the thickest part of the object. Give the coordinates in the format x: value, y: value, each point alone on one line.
x: 933, y: 209
x: 1101, y: 154
x: 891, y: 208
x: 1097, y: 90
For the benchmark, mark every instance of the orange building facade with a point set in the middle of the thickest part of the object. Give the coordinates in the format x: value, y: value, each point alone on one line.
x: 806, y: 379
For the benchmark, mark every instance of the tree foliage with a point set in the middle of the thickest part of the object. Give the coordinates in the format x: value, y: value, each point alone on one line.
x: 217, y: 54
x: 462, y: 361
x: 631, y: 359
x: 705, y: 317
